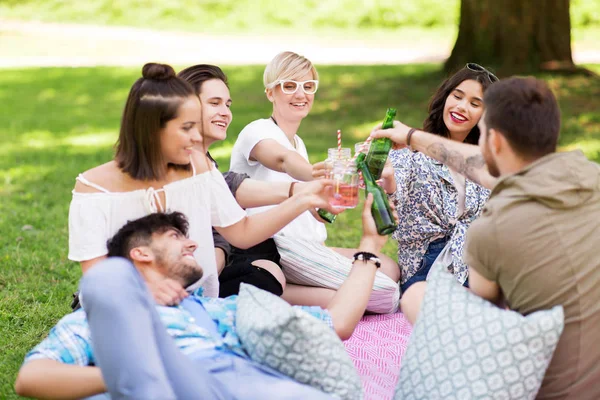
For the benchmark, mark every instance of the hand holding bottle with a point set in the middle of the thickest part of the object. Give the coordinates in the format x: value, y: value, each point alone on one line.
x: 380, y: 148
x: 388, y: 181
x: 383, y: 213
x: 370, y: 240
x: 398, y: 134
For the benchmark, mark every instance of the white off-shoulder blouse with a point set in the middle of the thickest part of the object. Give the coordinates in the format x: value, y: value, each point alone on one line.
x: 204, y: 198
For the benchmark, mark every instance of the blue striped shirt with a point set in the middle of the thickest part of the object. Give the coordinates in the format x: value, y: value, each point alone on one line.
x: 70, y: 342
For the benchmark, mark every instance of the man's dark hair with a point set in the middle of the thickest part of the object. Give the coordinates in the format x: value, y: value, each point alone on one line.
x: 526, y: 113
x: 434, y: 123
x: 196, y: 75
x: 139, y: 232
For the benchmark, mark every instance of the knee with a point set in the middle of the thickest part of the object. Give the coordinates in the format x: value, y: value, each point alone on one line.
x: 411, y: 300
x: 390, y: 268
x: 108, y: 277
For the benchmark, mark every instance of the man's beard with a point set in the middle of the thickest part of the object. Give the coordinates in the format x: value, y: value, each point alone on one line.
x: 489, y: 161
x: 189, y: 274
x: 185, y: 271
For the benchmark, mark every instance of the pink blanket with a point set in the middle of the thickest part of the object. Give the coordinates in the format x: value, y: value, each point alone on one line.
x: 376, y: 347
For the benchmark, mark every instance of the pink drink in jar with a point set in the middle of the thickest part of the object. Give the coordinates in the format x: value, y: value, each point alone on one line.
x: 345, y: 196
x: 345, y: 184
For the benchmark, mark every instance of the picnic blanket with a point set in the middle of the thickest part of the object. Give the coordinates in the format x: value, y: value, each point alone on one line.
x: 376, y: 348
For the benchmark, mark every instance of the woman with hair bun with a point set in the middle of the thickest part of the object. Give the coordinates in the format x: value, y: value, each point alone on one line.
x: 157, y: 168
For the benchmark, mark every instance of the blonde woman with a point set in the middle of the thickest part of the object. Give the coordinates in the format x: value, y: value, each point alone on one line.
x: 270, y: 149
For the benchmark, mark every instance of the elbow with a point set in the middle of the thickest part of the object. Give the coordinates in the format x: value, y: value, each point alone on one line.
x: 343, y: 329
x: 345, y: 334
x: 23, y: 384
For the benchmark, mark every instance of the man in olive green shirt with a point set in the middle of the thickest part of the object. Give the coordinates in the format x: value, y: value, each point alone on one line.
x: 537, y: 241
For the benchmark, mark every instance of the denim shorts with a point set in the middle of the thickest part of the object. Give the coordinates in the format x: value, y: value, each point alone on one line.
x: 433, y: 251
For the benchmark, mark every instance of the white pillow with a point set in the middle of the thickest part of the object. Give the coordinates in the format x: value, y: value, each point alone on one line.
x: 295, y: 343
x: 464, y: 347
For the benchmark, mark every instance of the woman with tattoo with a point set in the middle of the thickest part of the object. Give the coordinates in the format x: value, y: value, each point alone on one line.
x: 435, y: 203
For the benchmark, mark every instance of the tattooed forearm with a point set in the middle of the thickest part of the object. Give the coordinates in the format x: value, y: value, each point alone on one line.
x: 470, y: 166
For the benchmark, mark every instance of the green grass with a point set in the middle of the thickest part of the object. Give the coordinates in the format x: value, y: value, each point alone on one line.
x: 239, y: 15
x: 57, y: 122
x: 210, y: 16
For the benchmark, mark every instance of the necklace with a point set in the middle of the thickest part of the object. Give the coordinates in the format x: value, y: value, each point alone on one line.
x: 293, y: 142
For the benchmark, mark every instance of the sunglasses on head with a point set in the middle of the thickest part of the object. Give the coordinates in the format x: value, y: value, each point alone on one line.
x: 478, y: 68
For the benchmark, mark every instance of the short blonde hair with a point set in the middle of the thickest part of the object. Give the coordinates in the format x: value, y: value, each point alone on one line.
x: 287, y: 65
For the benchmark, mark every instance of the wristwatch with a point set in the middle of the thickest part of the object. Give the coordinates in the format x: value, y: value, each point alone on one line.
x: 366, y: 256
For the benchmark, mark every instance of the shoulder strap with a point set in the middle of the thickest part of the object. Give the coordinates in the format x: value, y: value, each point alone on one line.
x: 83, y: 180
x: 193, y: 166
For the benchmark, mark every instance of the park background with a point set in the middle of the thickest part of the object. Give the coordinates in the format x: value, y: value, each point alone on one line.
x: 67, y: 66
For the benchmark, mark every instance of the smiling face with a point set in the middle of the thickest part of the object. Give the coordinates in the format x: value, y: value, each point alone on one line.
x: 463, y: 109
x: 181, y: 133
x: 216, y: 112
x: 291, y: 107
x: 174, y: 254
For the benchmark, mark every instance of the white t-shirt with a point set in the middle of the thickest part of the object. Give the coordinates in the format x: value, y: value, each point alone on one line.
x: 204, y: 199
x: 305, y: 226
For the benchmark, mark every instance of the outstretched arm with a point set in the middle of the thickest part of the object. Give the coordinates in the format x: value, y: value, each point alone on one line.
x: 464, y: 158
x: 276, y: 157
x: 350, y: 301
x: 254, y: 193
x: 258, y: 227
x: 49, y: 379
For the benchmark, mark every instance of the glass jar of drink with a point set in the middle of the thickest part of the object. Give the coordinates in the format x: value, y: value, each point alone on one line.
x: 361, y: 147
x: 345, y: 184
x: 334, y: 155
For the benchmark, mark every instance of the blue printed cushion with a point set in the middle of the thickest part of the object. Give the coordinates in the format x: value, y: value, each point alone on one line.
x: 295, y: 343
x: 463, y: 347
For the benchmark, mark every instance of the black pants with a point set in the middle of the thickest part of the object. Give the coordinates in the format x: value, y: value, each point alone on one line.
x: 240, y: 269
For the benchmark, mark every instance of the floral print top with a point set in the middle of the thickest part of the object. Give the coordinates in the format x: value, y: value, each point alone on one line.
x: 427, y: 204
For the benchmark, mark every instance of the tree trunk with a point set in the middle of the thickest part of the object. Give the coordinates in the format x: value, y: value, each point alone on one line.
x: 514, y: 36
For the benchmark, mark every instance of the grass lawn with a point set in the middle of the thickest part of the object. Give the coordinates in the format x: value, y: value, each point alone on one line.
x: 332, y: 17
x: 57, y: 122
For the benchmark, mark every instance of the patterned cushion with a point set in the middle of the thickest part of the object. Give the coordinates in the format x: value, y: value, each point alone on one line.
x: 295, y: 343
x: 464, y: 347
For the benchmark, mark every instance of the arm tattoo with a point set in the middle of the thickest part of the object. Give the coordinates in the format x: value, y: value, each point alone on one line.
x: 467, y: 166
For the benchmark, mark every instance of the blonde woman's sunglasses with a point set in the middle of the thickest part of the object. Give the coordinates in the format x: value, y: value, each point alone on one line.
x: 291, y: 87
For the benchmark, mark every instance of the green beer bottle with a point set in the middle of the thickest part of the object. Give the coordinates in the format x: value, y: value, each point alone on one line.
x: 381, y: 210
x: 380, y: 148
x: 326, y: 215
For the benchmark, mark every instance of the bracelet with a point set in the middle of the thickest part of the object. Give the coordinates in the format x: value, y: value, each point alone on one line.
x: 291, y: 192
x: 410, y: 133
x: 366, y: 256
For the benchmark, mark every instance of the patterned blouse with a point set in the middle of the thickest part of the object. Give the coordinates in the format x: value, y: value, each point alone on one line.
x: 427, y: 204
